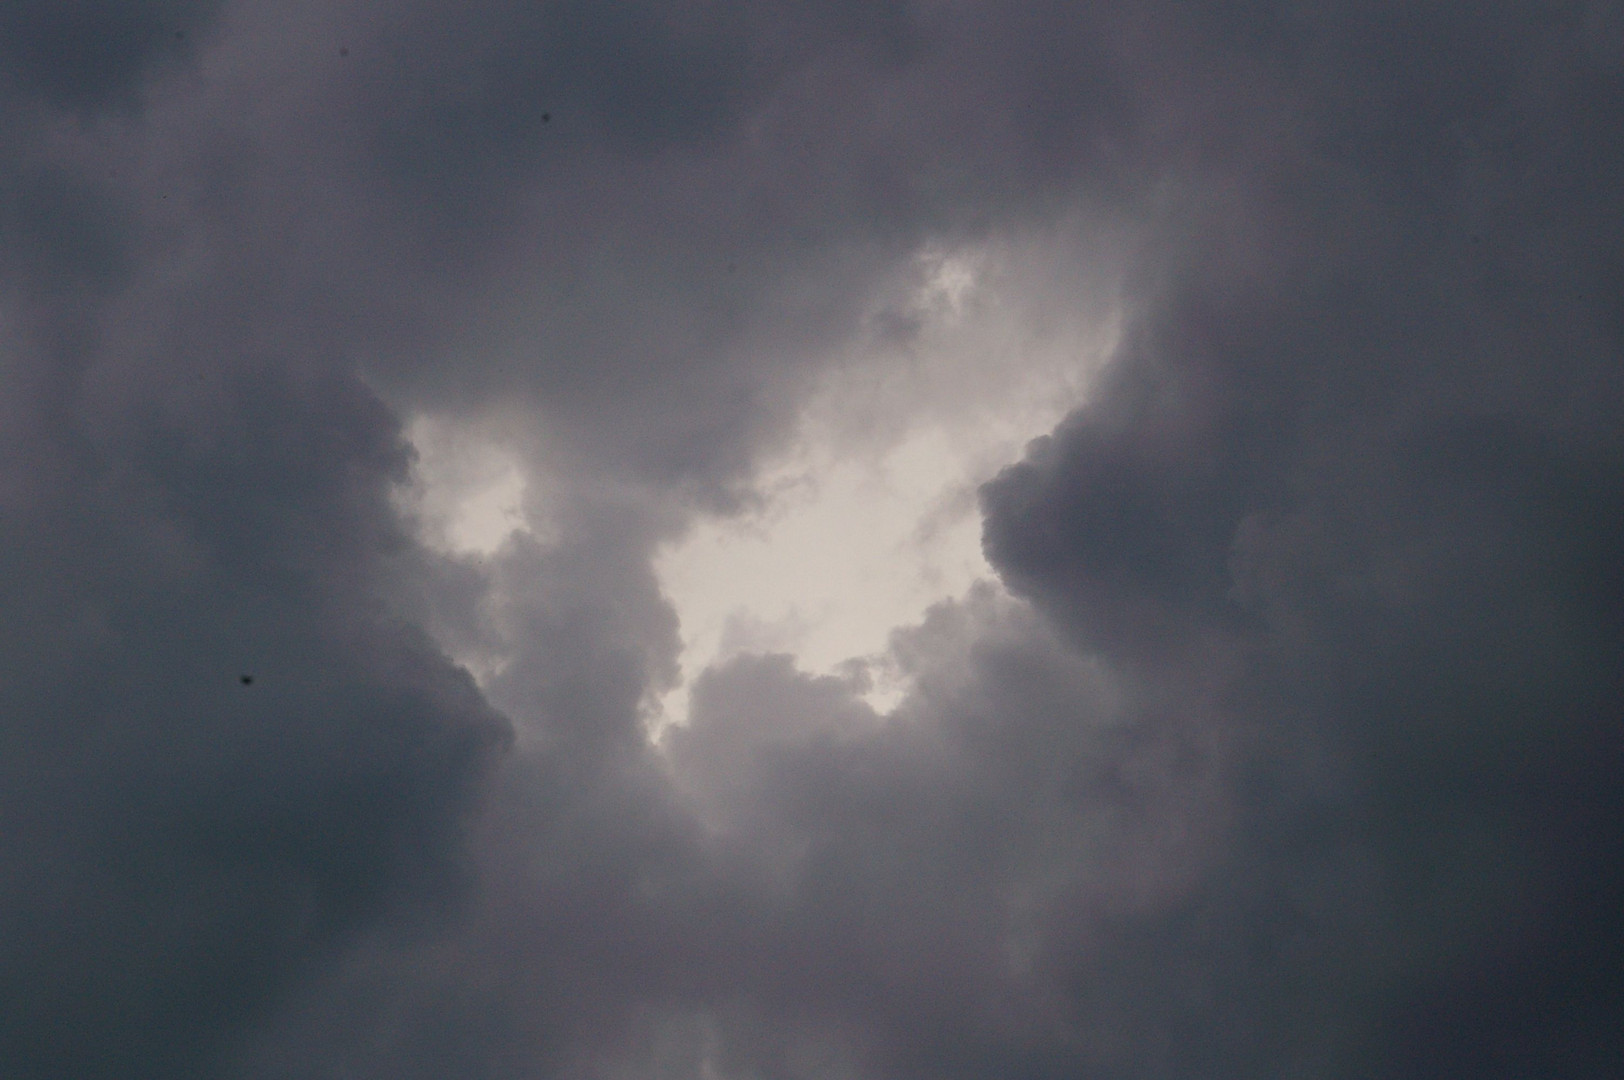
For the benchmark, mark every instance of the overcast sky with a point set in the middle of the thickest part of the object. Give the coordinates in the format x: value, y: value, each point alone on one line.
x: 785, y: 540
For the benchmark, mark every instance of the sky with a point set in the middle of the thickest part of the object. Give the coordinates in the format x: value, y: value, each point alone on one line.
x: 811, y: 541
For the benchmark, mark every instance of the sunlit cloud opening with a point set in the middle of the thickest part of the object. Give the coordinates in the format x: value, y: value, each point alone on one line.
x: 869, y: 515
x: 466, y: 494
x: 844, y: 551
x: 465, y: 499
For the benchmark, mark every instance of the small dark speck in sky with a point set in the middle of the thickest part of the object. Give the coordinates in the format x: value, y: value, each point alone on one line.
x: 180, y: 35
x: 343, y: 50
x: 546, y: 116
x: 246, y: 680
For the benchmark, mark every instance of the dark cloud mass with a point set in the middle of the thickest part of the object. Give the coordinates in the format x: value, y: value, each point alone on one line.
x: 88, y: 55
x: 1293, y: 749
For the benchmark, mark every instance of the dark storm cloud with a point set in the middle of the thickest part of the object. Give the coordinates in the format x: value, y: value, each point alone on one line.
x: 1378, y: 465
x: 189, y: 494
x: 1302, y: 760
x: 87, y: 55
x: 179, y: 844
x: 710, y: 189
x: 69, y: 232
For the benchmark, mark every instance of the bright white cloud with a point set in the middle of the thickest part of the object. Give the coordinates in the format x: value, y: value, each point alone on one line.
x: 869, y: 515
x: 466, y: 495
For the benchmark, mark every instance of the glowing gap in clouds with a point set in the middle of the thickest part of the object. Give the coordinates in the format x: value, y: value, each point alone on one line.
x: 845, y: 551
x: 465, y: 500
x: 870, y: 515
x: 466, y: 495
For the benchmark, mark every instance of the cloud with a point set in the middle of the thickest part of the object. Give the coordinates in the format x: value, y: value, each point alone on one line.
x: 1377, y: 484
x: 180, y: 844
x: 89, y: 55
x: 1285, y: 744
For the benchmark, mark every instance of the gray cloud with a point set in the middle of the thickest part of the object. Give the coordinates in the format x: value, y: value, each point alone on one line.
x: 89, y: 55
x: 1295, y: 756
x: 1374, y: 467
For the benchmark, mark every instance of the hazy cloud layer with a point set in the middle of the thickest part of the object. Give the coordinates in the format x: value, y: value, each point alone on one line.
x: 1293, y: 748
